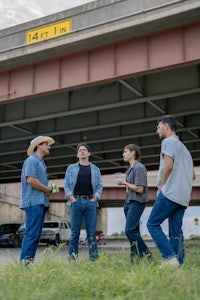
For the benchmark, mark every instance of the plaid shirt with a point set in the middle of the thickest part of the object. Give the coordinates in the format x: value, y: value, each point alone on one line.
x: 34, y: 167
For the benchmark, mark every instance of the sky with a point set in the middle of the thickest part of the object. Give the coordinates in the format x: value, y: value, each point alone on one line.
x: 116, y: 221
x: 14, y: 12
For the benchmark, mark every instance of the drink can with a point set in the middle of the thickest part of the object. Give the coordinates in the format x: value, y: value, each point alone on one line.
x: 54, y: 188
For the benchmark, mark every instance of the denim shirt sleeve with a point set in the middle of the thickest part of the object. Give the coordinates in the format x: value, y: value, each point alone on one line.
x: 97, y: 184
x: 70, y: 179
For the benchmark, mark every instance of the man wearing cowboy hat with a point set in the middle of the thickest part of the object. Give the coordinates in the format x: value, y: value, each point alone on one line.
x: 34, y: 194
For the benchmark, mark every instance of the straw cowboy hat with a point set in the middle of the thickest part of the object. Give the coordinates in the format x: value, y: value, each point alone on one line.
x: 39, y: 140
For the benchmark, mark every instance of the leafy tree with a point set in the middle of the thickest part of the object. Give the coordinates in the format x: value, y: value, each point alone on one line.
x: 196, y: 222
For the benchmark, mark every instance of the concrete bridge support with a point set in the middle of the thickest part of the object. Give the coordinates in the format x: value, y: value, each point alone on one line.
x: 58, y: 210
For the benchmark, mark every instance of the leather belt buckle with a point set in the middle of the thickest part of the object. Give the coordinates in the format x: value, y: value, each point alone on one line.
x: 83, y: 197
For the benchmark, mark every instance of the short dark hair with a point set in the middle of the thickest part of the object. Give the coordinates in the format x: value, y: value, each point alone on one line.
x: 35, y: 149
x: 84, y: 145
x: 136, y: 148
x: 171, y: 121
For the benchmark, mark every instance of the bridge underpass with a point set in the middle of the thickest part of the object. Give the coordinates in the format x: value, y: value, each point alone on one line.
x: 124, y: 64
x: 106, y: 84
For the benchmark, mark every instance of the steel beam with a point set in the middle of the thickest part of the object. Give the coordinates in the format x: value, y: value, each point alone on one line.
x: 114, y: 197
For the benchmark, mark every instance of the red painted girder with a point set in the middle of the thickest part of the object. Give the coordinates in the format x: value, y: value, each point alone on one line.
x: 166, y: 49
x: 115, y: 196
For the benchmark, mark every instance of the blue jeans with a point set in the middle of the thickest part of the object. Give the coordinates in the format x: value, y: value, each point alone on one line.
x: 133, y: 212
x: 34, y: 222
x: 165, y: 209
x: 78, y: 210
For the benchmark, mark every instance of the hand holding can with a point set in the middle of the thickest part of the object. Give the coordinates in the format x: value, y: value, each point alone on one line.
x: 54, y: 188
x: 118, y: 177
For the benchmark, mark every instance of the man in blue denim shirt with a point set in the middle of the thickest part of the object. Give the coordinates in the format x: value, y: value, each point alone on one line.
x: 34, y: 194
x: 83, y: 188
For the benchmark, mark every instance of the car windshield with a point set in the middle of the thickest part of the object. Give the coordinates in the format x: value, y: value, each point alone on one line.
x: 51, y: 225
x: 99, y: 232
x: 9, y: 227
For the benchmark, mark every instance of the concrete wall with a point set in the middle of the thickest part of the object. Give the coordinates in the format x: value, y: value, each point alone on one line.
x: 83, y: 18
x: 10, y: 211
x: 109, y: 180
x: 9, y: 203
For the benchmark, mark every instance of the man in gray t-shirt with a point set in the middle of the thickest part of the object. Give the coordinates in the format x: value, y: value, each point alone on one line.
x: 175, y: 177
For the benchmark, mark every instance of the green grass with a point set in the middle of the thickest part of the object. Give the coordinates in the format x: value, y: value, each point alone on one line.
x: 53, y: 277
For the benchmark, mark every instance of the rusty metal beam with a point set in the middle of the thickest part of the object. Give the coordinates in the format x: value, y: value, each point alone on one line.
x: 127, y: 58
x: 114, y: 196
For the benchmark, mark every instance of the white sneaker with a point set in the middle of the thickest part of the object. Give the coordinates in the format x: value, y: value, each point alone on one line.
x: 170, y: 263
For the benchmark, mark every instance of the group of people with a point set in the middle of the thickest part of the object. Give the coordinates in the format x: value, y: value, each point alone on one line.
x: 83, y: 188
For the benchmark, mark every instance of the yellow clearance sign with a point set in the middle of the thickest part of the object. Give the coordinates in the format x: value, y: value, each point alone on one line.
x: 47, y: 32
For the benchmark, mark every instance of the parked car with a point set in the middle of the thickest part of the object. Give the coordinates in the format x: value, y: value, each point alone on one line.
x: 9, y: 235
x: 83, y: 237
x: 100, y: 236
x: 21, y: 231
x: 55, y: 232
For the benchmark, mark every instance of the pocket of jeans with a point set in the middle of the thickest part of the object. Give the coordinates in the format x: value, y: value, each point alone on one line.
x: 95, y: 203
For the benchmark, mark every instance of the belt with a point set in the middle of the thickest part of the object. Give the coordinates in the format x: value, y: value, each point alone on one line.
x: 83, y: 197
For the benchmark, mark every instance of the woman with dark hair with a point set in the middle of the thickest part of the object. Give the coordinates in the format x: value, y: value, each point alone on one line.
x: 137, y: 196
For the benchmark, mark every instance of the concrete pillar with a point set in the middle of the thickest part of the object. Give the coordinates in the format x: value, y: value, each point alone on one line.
x: 102, y: 223
x: 56, y: 211
x: 9, y: 203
